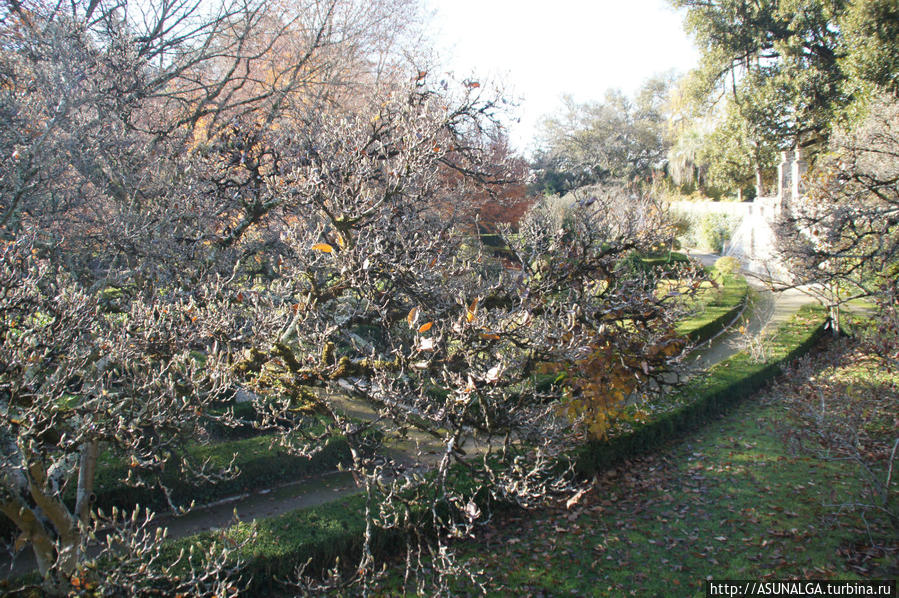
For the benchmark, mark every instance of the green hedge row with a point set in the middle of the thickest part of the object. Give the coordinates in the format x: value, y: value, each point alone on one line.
x: 711, y: 394
x: 718, y: 313
x: 317, y: 536
x: 272, y: 548
x: 320, y: 534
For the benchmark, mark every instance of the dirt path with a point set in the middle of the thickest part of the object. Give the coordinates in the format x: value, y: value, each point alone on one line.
x: 766, y: 312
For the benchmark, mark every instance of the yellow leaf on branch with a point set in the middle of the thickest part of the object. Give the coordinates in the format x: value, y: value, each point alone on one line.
x: 472, y: 309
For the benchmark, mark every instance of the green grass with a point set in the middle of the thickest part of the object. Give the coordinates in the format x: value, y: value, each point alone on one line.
x: 279, y: 544
x: 731, y: 503
x: 715, y: 309
x: 271, y: 548
x: 865, y: 304
x: 664, y: 259
x: 721, y: 387
x: 261, y: 462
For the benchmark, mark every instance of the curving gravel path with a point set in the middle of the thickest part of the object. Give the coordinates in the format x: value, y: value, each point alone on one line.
x: 766, y: 311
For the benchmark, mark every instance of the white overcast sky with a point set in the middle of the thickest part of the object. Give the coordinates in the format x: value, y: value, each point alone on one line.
x: 542, y: 50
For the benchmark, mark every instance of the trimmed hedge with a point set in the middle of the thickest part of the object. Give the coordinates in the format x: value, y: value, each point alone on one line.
x: 317, y: 536
x: 718, y: 313
x: 706, y: 396
x: 322, y: 533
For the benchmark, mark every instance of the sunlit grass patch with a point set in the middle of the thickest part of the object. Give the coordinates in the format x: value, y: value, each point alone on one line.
x: 660, y: 526
x: 714, y: 303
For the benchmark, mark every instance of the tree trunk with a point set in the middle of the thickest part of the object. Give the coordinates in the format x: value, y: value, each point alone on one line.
x: 90, y: 451
x: 33, y: 532
x: 835, y: 319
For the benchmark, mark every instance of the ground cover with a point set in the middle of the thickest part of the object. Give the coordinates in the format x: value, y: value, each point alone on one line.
x: 668, y: 258
x: 715, y: 307
x: 740, y: 499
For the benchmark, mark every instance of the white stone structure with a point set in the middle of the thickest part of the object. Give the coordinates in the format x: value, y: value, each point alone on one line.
x: 753, y: 241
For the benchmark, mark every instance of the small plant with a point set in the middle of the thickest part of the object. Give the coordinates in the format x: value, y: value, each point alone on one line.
x: 685, y: 226
x: 758, y: 346
x: 727, y: 266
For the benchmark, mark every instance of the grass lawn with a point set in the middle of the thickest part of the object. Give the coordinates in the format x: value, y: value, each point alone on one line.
x: 660, y: 260
x: 733, y: 501
x: 261, y: 461
x: 712, y: 303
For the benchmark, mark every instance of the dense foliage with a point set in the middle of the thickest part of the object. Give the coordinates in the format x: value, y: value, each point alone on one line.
x: 781, y: 73
x: 617, y: 139
x: 196, y: 207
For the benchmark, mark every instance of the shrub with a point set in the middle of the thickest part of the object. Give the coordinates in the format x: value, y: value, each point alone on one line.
x: 714, y: 230
x: 727, y: 266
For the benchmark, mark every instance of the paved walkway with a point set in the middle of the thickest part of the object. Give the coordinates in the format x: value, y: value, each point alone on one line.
x: 765, y: 312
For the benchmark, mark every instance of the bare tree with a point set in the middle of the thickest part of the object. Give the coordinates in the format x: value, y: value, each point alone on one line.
x: 194, y: 196
x: 382, y: 296
x: 842, y: 236
x: 77, y: 381
x: 125, y: 233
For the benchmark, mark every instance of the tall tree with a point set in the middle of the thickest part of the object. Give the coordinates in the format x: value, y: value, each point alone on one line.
x: 872, y: 58
x: 132, y: 190
x: 618, y: 138
x: 790, y: 68
x: 771, y: 48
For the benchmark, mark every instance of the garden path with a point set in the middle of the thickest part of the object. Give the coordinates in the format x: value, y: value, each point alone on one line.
x: 764, y: 313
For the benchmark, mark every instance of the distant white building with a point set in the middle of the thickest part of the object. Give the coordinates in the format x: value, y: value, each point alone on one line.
x: 753, y: 241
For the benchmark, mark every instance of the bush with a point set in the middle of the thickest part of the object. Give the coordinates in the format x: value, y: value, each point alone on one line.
x: 714, y: 230
x: 727, y: 266
x: 707, y: 231
x: 685, y: 226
